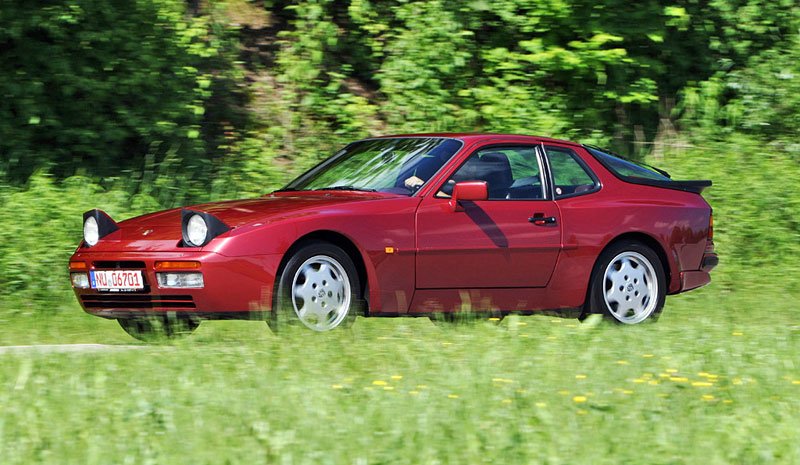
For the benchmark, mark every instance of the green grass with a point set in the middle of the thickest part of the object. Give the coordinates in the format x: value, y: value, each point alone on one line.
x: 715, y: 381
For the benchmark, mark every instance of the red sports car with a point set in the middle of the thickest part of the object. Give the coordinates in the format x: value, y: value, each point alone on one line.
x: 424, y: 224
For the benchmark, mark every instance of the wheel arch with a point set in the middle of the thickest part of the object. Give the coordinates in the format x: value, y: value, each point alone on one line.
x: 647, y: 240
x: 338, y: 239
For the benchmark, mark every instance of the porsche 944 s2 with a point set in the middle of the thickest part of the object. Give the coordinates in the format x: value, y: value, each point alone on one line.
x: 410, y: 225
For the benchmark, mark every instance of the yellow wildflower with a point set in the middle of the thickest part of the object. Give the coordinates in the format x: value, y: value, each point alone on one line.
x: 702, y: 384
x: 397, y: 377
x: 579, y: 399
x: 452, y: 396
x: 707, y: 397
x: 379, y: 382
x: 336, y: 386
x: 580, y: 376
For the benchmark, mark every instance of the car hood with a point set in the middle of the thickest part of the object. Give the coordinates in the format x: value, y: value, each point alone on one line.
x: 238, y: 213
x: 161, y: 231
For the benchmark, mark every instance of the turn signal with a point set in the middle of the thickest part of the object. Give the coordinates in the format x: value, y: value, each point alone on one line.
x: 77, y: 266
x: 177, y: 265
x: 711, y: 227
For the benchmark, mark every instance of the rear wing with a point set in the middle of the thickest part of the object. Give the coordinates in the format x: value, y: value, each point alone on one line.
x: 696, y: 186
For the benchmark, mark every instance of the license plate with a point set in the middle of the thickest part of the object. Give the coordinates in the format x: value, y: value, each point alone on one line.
x: 117, y: 280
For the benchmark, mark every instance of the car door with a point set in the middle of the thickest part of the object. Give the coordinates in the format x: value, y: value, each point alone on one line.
x: 511, y: 240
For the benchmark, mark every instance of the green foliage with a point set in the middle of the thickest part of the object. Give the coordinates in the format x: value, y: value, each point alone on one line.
x: 756, y: 207
x: 96, y: 85
x: 41, y: 227
x: 715, y: 381
x: 153, y: 104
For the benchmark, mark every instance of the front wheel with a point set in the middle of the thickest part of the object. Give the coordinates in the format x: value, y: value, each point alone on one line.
x: 319, y: 288
x: 628, y: 284
x: 159, y: 327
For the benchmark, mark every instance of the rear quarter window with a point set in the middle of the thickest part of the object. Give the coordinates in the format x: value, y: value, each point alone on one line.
x: 627, y: 168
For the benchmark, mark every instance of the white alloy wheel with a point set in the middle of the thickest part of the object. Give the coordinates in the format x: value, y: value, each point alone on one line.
x: 630, y: 287
x: 321, y: 293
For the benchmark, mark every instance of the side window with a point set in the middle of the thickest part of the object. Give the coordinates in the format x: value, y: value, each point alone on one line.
x: 509, y: 172
x: 569, y: 176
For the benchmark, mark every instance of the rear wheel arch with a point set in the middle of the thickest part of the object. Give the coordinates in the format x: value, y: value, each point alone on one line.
x: 337, y: 239
x: 641, y: 240
x: 644, y: 239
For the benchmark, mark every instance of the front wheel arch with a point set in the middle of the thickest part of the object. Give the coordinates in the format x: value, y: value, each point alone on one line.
x: 339, y: 240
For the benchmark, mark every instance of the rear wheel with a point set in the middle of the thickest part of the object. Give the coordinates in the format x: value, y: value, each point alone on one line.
x: 158, y: 327
x: 319, y: 288
x: 628, y: 284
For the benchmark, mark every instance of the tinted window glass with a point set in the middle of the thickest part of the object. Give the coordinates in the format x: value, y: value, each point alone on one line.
x: 626, y: 167
x: 569, y: 176
x: 509, y: 172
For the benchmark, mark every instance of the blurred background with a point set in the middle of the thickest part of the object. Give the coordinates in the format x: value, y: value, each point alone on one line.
x: 134, y: 106
x: 142, y: 105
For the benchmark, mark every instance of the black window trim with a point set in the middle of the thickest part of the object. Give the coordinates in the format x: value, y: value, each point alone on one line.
x: 546, y: 188
x: 575, y: 156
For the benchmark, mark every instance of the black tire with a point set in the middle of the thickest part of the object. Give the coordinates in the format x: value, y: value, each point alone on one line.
x: 159, y: 327
x: 641, y: 293
x: 332, y: 293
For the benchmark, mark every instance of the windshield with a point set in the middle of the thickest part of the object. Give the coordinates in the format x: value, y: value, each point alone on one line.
x: 627, y: 168
x: 399, y: 166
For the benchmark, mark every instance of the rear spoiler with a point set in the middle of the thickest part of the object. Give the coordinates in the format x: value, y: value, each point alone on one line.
x: 696, y: 186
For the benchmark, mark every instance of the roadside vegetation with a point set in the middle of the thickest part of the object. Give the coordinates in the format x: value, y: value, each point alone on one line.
x: 160, y: 103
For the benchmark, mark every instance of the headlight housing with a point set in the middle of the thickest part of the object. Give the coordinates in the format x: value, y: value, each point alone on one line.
x: 199, y: 228
x: 96, y: 225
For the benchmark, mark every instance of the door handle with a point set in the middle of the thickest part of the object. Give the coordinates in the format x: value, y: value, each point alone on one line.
x: 540, y: 220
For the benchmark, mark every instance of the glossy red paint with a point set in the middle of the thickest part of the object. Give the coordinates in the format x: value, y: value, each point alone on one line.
x: 488, y: 254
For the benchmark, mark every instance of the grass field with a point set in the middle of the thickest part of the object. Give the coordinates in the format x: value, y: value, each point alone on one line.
x: 715, y: 381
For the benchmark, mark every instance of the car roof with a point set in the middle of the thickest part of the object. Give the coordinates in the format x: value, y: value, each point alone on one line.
x: 477, y: 137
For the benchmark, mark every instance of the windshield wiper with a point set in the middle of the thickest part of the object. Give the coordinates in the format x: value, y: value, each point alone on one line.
x: 344, y: 188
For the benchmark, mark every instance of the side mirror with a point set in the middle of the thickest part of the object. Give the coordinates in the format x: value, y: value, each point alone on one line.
x: 468, y: 190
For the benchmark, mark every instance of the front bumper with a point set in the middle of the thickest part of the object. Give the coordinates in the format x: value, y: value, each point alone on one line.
x: 233, y: 286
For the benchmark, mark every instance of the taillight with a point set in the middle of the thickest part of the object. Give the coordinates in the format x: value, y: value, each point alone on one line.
x: 711, y: 227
